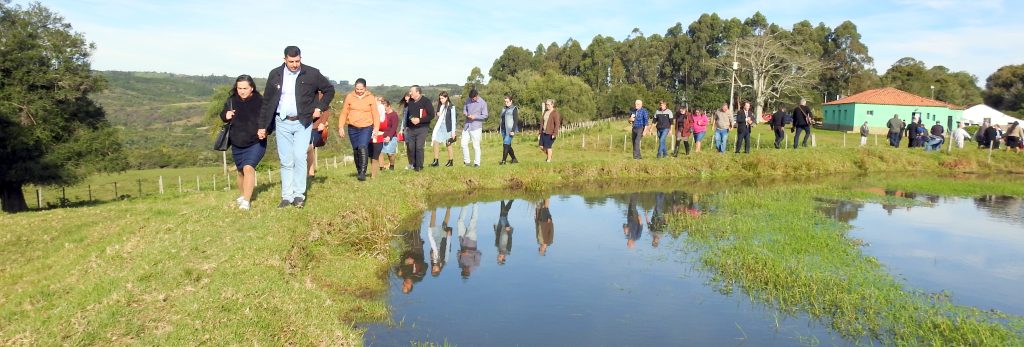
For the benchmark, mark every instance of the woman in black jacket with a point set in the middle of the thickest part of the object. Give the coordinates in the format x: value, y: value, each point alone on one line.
x: 242, y: 110
x: 508, y: 127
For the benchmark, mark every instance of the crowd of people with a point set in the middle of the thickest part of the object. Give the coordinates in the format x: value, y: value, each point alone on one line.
x: 297, y: 97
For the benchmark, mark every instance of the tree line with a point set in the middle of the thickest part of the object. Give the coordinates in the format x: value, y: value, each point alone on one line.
x: 692, y: 65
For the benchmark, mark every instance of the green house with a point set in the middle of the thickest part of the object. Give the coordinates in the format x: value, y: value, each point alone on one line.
x: 877, y: 106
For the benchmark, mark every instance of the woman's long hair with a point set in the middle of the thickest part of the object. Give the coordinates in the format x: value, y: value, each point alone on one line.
x: 247, y: 79
x: 446, y: 103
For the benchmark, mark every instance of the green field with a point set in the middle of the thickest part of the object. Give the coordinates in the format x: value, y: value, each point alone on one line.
x: 187, y: 268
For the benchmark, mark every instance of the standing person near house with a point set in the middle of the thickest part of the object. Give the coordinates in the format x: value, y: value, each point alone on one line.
x: 700, y: 128
x: 744, y: 121
x: 684, y: 127
x: 802, y: 121
x: 551, y: 123
x: 1014, y: 134
x: 960, y: 134
x: 247, y: 136
x: 359, y: 113
x: 779, y: 126
x: 895, y: 126
x: 419, y: 114
x: 389, y: 135
x: 476, y: 113
x: 864, y: 132
x: 508, y: 127
x: 663, y: 122
x: 936, y: 137
x: 291, y: 103
x: 723, y: 123
x: 444, y: 129
x: 638, y: 118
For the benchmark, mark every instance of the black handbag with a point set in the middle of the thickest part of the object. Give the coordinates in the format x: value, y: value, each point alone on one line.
x: 224, y: 136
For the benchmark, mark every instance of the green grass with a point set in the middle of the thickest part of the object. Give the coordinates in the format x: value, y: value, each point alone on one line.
x: 774, y: 246
x: 189, y: 269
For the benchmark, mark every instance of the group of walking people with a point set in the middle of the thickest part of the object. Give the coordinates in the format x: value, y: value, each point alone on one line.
x: 694, y: 125
x: 987, y: 136
x: 294, y: 106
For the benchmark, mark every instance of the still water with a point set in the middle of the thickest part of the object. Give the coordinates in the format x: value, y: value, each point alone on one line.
x: 570, y: 271
x: 971, y: 248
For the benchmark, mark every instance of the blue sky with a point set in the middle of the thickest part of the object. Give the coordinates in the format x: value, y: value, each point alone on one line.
x: 410, y: 42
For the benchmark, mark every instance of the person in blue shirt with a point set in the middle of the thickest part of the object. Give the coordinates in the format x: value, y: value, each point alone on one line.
x: 639, y: 119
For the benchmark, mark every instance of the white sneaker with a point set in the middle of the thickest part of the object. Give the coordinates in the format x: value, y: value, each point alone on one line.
x: 239, y: 200
x: 244, y: 205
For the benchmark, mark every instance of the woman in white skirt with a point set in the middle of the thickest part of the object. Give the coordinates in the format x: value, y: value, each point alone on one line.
x: 444, y: 129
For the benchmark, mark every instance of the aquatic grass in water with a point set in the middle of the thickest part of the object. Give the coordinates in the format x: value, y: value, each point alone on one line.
x: 778, y: 249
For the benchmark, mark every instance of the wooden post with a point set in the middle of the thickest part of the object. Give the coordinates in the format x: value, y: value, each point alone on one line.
x: 224, y: 160
x: 256, y: 179
x: 63, y: 194
x: 140, y: 187
x: 844, y: 139
x: 115, y: 191
x: 198, y: 189
x: 814, y: 143
x: 876, y: 140
x: 758, y: 141
x: 90, y: 192
x: 161, y: 184
x: 624, y: 137
x: 214, y: 182
x: 584, y: 143
x: 335, y: 162
x: 39, y: 198
x: 179, y: 184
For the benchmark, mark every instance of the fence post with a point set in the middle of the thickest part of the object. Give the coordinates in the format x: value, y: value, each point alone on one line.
x: 611, y: 141
x: 179, y: 184
x: 198, y: 189
x: 140, y: 187
x: 116, y: 195
x: 161, y: 184
x: 63, y: 194
x: 876, y: 139
x: 814, y: 143
x: 90, y: 192
x: 214, y: 182
x: 624, y: 142
x: 584, y: 145
x: 224, y: 160
x: 39, y: 198
x: 335, y: 162
x: 256, y: 179
x: 758, y: 141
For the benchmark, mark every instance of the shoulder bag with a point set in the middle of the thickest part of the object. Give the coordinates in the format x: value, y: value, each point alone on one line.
x: 224, y: 136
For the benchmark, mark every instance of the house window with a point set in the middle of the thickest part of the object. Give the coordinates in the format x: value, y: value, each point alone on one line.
x: 871, y: 113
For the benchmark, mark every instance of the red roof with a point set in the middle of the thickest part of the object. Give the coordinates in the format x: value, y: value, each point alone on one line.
x: 891, y: 96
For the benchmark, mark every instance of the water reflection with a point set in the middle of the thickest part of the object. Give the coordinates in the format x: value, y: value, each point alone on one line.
x: 590, y: 290
x: 969, y: 247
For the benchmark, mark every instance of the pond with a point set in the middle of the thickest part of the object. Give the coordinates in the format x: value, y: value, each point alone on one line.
x: 570, y: 270
x: 970, y: 248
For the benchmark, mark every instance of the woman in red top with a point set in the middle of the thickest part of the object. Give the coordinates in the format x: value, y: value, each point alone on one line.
x: 386, y: 140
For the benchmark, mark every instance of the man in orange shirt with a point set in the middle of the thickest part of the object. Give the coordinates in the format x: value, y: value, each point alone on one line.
x: 359, y: 113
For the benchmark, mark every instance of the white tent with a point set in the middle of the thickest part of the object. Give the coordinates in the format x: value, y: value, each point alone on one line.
x: 979, y: 113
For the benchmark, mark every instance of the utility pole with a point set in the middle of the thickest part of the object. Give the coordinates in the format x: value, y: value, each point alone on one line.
x: 732, y: 82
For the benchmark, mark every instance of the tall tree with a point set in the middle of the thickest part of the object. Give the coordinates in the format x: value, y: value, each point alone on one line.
x: 595, y: 68
x: 771, y: 68
x: 570, y: 58
x: 474, y: 80
x: 845, y: 57
x: 513, y: 60
x: 52, y: 133
x: 1004, y: 89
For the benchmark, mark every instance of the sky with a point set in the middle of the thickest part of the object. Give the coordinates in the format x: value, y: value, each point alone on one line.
x: 394, y: 42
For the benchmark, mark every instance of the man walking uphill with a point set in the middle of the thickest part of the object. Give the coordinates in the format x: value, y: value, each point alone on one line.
x: 476, y: 113
x: 778, y: 126
x: 290, y: 101
x: 418, y: 115
x: 802, y: 120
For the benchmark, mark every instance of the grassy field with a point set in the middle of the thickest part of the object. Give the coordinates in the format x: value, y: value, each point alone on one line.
x: 189, y: 269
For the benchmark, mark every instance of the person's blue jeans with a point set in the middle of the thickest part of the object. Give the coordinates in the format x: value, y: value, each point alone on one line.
x: 934, y: 144
x: 359, y: 137
x: 506, y: 138
x: 796, y: 137
x: 721, y: 139
x: 662, y: 148
x: 292, y: 143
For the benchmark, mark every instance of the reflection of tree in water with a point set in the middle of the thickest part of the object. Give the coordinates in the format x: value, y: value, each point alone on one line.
x: 411, y: 266
x: 1005, y: 208
x: 845, y: 211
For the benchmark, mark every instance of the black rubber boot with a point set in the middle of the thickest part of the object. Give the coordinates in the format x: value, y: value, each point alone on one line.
x: 434, y: 163
x: 449, y: 163
x: 512, y: 153
x: 363, y: 162
x: 504, y: 154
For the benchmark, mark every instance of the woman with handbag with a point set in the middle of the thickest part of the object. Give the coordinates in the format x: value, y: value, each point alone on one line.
x: 247, y: 135
x: 444, y: 129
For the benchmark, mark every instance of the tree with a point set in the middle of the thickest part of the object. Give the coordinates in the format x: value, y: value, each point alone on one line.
x: 574, y: 99
x: 511, y: 61
x: 570, y: 57
x: 771, y: 68
x: 845, y: 58
x: 474, y: 80
x: 1004, y: 89
x: 597, y: 62
x: 911, y: 75
x: 50, y: 131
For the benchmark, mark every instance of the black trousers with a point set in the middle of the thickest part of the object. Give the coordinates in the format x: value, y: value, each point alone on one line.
x: 638, y: 135
x: 780, y: 134
x: 743, y: 139
x: 415, y: 139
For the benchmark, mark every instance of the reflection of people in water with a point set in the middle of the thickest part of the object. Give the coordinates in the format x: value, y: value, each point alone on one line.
x: 503, y: 233
x: 439, y: 237
x: 545, y: 226
x: 634, y: 226
x: 469, y: 255
x: 686, y: 203
x: 658, y: 222
x: 411, y: 267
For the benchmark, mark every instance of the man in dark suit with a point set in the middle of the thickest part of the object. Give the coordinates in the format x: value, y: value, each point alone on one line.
x: 290, y: 102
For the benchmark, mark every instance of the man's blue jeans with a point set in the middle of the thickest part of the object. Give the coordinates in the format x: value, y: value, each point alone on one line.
x: 721, y: 139
x: 662, y: 148
x: 292, y: 143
